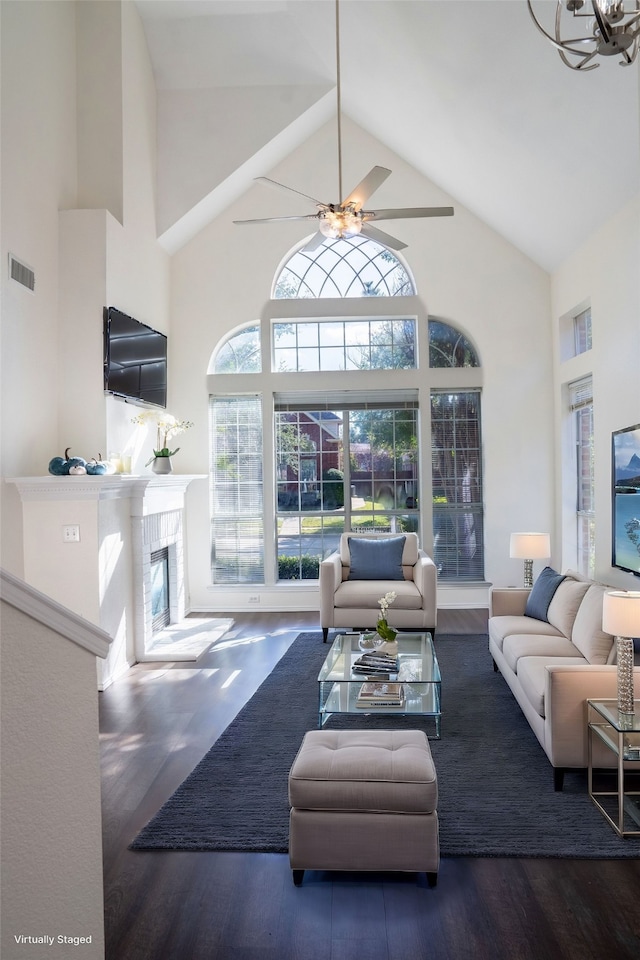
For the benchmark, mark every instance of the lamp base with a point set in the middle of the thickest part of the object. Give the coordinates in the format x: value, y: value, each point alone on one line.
x: 528, y: 573
x: 624, y: 658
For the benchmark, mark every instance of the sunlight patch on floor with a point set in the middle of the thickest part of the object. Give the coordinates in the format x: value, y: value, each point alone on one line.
x: 233, y: 676
x: 187, y: 639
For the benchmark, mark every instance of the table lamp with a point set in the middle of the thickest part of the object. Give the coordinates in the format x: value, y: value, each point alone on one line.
x: 621, y: 617
x: 529, y: 547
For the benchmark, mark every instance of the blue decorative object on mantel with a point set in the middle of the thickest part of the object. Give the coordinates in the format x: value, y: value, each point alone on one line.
x: 61, y: 466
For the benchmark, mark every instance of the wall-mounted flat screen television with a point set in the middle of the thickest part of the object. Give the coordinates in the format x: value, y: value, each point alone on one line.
x: 135, y: 359
x: 626, y: 499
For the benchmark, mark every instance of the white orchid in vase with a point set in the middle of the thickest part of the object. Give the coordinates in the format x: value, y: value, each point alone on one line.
x: 382, y: 627
x: 167, y: 426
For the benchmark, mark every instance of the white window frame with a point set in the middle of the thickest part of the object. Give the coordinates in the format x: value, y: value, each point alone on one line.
x: 580, y: 399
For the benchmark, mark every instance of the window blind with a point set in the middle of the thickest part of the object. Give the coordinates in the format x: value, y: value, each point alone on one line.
x: 347, y: 400
x: 581, y: 393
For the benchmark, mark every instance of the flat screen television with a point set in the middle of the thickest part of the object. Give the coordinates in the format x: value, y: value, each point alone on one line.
x: 135, y: 359
x: 626, y: 499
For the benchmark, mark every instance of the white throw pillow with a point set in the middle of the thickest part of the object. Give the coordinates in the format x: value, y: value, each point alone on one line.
x: 564, y: 606
x: 587, y: 634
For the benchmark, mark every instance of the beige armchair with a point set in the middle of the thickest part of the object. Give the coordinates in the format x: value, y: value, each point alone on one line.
x: 347, y: 601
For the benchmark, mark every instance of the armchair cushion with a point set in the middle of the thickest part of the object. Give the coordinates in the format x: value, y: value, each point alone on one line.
x: 376, y: 558
x: 366, y: 593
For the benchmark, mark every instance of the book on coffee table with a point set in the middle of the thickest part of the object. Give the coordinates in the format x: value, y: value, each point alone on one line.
x: 380, y: 693
x: 373, y: 663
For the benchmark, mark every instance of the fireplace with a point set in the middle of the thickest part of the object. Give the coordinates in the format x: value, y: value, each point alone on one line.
x: 159, y: 577
x: 160, y: 612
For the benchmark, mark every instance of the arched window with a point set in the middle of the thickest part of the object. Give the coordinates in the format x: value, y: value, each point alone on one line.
x: 343, y: 454
x: 357, y: 267
x: 239, y: 352
x: 450, y: 348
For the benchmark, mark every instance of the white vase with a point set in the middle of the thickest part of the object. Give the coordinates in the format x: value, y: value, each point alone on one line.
x: 369, y: 641
x: 162, y: 465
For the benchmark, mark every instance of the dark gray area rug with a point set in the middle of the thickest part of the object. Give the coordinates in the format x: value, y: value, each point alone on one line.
x: 496, y: 796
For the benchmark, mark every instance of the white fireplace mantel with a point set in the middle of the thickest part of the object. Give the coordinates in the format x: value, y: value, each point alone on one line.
x: 149, y: 493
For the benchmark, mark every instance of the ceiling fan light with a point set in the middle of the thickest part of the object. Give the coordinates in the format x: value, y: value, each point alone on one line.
x: 352, y: 226
x: 339, y: 223
x: 328, y: 228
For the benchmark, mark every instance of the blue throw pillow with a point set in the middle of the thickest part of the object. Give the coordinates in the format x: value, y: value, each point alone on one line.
x: 376, y: 559
x: 542, y: 594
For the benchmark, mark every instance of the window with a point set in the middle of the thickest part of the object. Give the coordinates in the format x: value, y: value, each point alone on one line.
x: 342, y: 469
x: 449, y: 348
x: 237, y: 525
x: 582, y: 331
x: 575, y: 332
x: 344, y: 345
x: 581, y: 406
x: 354, y: 267
x: 239, y: 352
x: 456, y: 466
x: 333, y: 407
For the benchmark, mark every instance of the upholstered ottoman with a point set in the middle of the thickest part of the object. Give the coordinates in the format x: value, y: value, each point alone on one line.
x: 364, y: 800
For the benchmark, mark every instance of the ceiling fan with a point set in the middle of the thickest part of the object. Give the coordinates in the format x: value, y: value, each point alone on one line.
x: 349, y: 218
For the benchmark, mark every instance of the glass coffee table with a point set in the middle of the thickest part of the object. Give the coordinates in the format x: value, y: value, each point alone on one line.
x: 418, y: 675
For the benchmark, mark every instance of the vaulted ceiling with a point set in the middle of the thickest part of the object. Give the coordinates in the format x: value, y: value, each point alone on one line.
x: 466, y: 91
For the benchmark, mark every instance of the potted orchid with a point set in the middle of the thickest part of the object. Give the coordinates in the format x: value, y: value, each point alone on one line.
x: 382, y: 627
x: 167, y: 426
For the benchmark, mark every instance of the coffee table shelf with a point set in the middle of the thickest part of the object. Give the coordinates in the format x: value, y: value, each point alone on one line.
x: 418, y: 670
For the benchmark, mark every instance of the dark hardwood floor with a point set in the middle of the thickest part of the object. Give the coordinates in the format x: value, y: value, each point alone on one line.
x: 160, y: 719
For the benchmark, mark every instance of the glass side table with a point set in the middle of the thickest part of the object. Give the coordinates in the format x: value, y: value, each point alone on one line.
x: 622, y: 736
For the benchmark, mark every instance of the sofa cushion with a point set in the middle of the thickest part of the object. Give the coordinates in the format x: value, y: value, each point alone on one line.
x: 354, y: 594
x: 527, y: 645
x: 501, y: 627
x: 542, y: 593
x: 379, y: 558
x: 587, y: 634
x: 565, y: 603
x: 532, y: 674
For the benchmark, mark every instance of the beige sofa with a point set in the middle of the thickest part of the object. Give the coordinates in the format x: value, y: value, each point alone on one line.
x: 554, y: 666
x: 353, y: 603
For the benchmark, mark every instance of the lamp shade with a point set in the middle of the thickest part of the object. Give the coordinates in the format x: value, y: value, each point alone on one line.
x: 621, y: 613
x: 530, y: 546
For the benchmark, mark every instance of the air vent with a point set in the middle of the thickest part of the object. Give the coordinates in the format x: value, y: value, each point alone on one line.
x: 21, y: 273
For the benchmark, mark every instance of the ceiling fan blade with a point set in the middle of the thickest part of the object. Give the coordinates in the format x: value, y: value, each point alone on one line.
x: 313, y: 244
x: 385, y: 238
x: 309, y: 216
x: 374, y: 179
x: 282, y: 186
x: 403, y: 213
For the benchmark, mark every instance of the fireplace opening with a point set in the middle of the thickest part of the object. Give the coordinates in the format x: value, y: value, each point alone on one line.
x: 160, y: 612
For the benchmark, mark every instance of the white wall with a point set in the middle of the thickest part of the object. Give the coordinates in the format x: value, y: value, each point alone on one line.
x: 99, y: 97
x: 94, y: 576
x: 39, y: 172
x: 606, y: 272
x: 51, y: 837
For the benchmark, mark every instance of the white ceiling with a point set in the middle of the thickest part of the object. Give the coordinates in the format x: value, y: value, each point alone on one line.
x: 466, y: 91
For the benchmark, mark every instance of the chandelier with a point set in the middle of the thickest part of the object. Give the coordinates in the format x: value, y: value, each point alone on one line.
x: 585, y: 29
